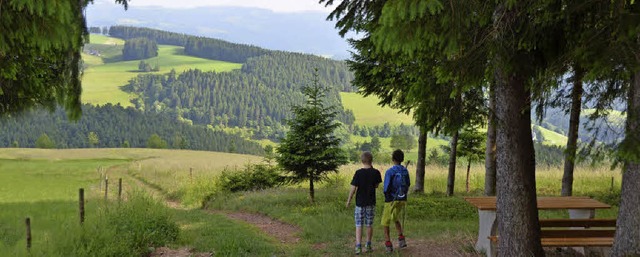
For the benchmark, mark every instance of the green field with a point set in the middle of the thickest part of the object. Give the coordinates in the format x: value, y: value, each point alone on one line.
x: 105, y: 40
x: 368, y: 112
x: 42, y: 184
x: 432, y: 143
x: 104, y: 75
x: 552, y: 137
x: 614, y: 117
x: 46, y: 191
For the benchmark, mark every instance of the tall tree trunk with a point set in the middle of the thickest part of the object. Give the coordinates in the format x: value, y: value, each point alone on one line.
x: 574, y: 126
x: 627, y: 240
x: 312, y: 193
x: 517, y: 212
x: 490, y: 152
x: 468, y: 169
x: 420, y: 169
x: 452, y: 163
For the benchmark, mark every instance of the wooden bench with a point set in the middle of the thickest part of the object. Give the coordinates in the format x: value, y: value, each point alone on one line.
x: 580, y: 208
x: 575, y: 232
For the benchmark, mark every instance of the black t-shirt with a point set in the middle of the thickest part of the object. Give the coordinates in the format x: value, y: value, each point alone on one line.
x: 366, y: 180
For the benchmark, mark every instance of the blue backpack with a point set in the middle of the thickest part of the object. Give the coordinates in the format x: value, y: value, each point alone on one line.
x: 400, y: 188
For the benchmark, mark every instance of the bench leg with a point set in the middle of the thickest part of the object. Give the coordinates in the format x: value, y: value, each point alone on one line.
x: 581, y: 214
x: 486, y: 228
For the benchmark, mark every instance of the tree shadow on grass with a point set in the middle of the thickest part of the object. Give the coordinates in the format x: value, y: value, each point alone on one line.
x: 47, y: 217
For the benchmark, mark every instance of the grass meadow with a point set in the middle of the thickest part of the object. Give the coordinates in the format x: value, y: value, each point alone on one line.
x: 431, y: 217
x: 43, y: 184
x: 104, y: 75
x: 105, y: 40
x: 369, y: 113
x: 552, y: 137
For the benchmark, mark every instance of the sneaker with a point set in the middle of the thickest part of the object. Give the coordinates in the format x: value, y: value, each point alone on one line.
x: 358, y: 250
x: 368, y: 248
x: 402, y: 243
x: 389, y: 247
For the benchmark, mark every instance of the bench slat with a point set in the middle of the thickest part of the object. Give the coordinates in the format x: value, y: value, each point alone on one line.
x: 571, y: 242
x: 544, y: 203
x: 577, y: 223
x: 577, y: 233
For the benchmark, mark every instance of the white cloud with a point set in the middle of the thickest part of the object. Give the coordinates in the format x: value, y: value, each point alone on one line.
x: 274, y: 5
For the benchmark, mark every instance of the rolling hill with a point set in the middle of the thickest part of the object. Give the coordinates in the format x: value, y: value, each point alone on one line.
x: 105, y: 74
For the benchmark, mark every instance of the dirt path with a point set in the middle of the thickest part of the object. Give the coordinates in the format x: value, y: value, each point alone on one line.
x: 285, y: 233
x: 427, y: 248
x: 182, y: 252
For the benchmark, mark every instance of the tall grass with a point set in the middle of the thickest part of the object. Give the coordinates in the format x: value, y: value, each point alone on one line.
x: 588, y: 180
x: 46, y: 191
x: 130, y: 228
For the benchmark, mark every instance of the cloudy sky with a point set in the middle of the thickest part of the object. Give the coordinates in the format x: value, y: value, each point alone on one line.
x: 274, y: 5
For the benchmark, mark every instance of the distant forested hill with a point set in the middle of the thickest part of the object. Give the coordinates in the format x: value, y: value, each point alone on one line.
x: 609, y: 130
x: 209, y: 48
x: 226, y: 99
x: 258, y: 97
x: 115, y: 126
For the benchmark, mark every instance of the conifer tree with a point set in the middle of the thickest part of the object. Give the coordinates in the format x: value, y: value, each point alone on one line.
x: 311, y: 149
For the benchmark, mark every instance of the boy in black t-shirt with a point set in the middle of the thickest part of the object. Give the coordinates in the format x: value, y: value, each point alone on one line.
x: 364, y: 185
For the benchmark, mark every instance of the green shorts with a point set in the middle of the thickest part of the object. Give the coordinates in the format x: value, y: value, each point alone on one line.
x: 392, y: 212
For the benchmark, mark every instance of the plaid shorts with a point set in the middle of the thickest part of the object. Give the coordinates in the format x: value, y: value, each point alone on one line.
x: 364, y: 215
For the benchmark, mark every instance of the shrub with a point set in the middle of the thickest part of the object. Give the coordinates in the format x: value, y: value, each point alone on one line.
x: 155, y: 141
x: 434, y: 157
x: 253, y: 177
x: 197, y: 191
x: 45, y: 142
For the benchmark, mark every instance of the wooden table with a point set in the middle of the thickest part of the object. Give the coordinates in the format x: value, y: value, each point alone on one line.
x: 579, y: 208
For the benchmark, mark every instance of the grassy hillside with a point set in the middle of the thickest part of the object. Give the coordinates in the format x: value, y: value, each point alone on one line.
x: 552, y: 137
x: 368, y: 112
x: 104, y: 75
x: 614, y: 117
x: 105, y: 40
x: 154, y: 159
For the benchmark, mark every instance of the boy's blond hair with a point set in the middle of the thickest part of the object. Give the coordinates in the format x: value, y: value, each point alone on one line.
x: 366, y: 157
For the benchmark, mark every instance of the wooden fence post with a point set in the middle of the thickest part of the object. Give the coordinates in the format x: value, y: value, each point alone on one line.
x: 612, y: 184
x: 191, y: 173
x: 101, y: 177
x: 106, y: 187
x: 119, y: 189
x: 81, y: 205
x: 28, y: 223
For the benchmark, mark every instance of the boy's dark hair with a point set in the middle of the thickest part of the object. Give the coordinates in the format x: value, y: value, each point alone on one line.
x: 366, y: 157
x: 397, y: 156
